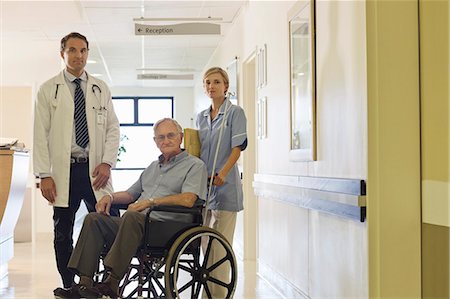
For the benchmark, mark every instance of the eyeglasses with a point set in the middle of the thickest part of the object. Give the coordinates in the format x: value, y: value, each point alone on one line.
x: 170, y: 136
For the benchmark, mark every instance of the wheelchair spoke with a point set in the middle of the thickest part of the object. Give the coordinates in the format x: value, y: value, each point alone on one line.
x: 161, y: 287
x: 197, y: 291
x: 187, y: 269
x: 208, y: 251
x: 208, y: 292
x: 216, y: 281
x: 217, y: 264
x: 186, y: 286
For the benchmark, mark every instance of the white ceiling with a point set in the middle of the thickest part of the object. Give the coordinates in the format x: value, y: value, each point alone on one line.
x: 109, y: 27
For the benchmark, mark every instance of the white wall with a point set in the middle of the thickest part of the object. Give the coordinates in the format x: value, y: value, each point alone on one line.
x: 317, y: 255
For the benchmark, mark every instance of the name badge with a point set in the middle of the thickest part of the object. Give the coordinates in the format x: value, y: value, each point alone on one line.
x: 100, y: 118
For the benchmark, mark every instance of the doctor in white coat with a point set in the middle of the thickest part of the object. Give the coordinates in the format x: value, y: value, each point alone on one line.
x: 71, y: 172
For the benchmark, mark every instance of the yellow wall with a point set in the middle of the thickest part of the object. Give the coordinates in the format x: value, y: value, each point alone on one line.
x: 394, y: 209
x: 434, y: 55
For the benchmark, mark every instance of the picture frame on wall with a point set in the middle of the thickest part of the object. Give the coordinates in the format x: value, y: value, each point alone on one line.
x: 262, y: 118
x: 262, y: 66
x: 302, y: 73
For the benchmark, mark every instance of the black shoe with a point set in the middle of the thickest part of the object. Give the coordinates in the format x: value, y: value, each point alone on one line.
x: 69, y: 293
x: 101, y: 290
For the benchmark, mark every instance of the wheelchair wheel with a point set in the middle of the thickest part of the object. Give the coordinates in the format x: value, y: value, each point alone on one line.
x: 188, y: 273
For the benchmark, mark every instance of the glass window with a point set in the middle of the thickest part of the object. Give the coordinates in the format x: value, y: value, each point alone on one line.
x: 123, y: 179
x: 139, y: 145
x: 124, y: 109
x: 150, y: 111
x: 137, y: 149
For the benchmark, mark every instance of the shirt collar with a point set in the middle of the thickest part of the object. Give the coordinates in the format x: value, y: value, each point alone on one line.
x: 227, y: 103
x: 175, y: 158
x: 71, y: 77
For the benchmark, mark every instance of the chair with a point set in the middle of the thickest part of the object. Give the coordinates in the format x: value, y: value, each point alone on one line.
x: 170, y: 262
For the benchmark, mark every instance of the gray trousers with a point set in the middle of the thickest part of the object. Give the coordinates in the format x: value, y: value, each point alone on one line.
x: 121, y: 235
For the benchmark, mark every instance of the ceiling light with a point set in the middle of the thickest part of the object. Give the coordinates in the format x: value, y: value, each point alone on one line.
x: 207, y: 19
x: 181, y: 70
x: 96, y: 75
x: 91, y: 61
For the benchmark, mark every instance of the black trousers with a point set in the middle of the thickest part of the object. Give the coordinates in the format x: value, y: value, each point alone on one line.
x: 63, y: 218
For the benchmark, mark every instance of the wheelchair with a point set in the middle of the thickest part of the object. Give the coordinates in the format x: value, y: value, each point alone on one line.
x: 174, y: 259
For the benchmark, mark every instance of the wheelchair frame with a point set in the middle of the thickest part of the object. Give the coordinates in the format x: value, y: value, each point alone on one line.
x: 164, y: 259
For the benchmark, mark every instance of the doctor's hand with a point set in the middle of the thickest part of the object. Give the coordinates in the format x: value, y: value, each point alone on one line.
x: 101, y: 174
x: 103, y: 206
x: 48, y: 189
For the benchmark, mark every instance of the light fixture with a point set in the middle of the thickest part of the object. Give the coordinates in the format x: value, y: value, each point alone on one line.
x: 90, y: 61
x: 207, y: 19
x: 180, y: 70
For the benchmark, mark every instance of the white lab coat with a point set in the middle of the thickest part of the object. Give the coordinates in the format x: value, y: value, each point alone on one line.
x: 53, y: 129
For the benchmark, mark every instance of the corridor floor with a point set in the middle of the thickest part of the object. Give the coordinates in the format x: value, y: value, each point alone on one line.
x: 32, y: 274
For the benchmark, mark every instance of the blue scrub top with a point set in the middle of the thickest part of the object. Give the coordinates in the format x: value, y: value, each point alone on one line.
x: 229, y: 196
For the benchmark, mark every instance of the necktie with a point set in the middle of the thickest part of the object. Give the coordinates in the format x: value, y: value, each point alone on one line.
x: 81, y: 129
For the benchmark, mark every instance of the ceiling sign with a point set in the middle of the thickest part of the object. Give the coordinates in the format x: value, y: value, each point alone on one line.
x: 177, y: 29
x: 165, y: 77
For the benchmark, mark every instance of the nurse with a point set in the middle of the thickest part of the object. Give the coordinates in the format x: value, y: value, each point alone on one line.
x: 226, y: 196
x: 76, y: 140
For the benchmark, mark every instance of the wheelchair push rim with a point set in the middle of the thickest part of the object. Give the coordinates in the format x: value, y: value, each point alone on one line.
x: 189, y: 244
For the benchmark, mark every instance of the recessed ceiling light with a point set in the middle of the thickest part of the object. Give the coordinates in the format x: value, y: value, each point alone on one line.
x: 96, y: 75
x: 199, y: 19
x: 91, y: 61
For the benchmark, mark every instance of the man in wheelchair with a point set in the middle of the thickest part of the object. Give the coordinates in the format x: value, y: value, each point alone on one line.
x: 176, y: 178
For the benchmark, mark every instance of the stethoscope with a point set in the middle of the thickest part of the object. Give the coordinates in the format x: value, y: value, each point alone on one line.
x: 94, y: 88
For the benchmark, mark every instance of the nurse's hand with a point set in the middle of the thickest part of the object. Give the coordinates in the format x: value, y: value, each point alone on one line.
x: 48, y: 189
x: 101, y: 174
x: 219, y: 179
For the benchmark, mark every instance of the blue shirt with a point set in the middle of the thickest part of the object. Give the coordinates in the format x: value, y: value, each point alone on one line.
x: 229, y: 196
x: 183, y: 173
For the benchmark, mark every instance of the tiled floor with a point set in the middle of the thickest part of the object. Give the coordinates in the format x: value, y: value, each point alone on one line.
x: 32, y: 274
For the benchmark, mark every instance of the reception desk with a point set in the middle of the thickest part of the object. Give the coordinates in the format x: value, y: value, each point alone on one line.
x: 13, y: 180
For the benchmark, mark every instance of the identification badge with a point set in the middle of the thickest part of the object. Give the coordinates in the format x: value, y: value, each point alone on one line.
x: 100, y: 118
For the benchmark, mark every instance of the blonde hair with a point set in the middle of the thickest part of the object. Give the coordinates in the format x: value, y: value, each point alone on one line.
x: 220, y: 71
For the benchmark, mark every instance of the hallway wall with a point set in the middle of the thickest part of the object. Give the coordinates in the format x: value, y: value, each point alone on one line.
x: 435, y: 103
x: 317, y: 255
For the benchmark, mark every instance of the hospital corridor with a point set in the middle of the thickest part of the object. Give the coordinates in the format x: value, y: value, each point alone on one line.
x: 224, y: 149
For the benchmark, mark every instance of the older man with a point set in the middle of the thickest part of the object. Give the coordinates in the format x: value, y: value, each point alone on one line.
x: 176, y: 178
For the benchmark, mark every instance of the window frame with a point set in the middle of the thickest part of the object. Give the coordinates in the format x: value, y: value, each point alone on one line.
x: 136, y: 123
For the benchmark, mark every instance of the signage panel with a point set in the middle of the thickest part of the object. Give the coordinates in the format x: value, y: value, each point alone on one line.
x: 177, y: 29
x: 165, y: 77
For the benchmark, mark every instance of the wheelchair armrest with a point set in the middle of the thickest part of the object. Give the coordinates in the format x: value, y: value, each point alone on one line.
x: 176, y: 209
x: 197, y: 208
